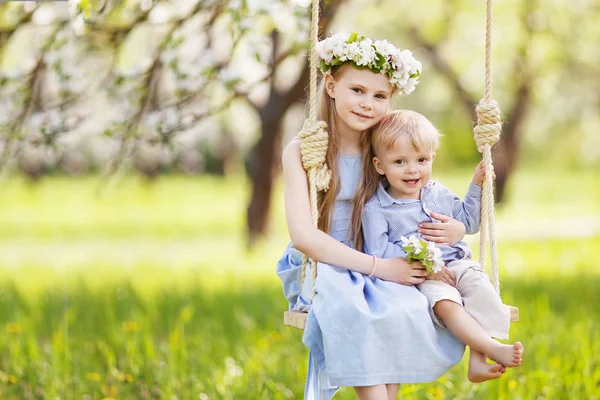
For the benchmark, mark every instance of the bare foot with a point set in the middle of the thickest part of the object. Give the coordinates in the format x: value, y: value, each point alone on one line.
x: 507, y: 355
x: 481, y: 371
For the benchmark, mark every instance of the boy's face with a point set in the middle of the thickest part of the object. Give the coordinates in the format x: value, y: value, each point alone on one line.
x: 406, y: 169
x: 361, y: 97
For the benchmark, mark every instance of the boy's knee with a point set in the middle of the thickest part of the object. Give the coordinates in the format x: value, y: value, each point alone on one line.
x: 443, y: 307
x: 474, y: 282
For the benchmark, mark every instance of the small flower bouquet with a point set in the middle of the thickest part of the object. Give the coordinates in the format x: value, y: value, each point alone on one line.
x: 423, y: 251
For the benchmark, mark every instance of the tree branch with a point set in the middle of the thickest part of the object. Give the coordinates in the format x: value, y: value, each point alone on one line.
x: 433, y: 50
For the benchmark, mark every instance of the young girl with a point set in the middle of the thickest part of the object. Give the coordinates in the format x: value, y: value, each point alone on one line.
x: 372, y: 333
x: 403, y: 145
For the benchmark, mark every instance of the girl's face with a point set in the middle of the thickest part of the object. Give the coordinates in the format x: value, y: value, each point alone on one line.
x: 361, y: 97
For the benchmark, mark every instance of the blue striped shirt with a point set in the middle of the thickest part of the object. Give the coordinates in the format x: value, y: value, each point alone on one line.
x: 386, y: 219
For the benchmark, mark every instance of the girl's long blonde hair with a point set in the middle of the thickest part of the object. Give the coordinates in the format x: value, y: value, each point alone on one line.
x: 326, y: 112
x: 422, y: 135
x: 367, y: 186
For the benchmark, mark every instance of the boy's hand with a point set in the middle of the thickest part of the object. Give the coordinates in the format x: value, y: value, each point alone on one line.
x: 479, y: 174
x: 445, y: 275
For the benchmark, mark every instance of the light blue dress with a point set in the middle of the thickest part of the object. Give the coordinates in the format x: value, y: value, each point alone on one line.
x: 363, y: 331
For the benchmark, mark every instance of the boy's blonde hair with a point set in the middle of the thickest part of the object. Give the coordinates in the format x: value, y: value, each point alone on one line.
x: 419, y: 131
x: 421, y: 134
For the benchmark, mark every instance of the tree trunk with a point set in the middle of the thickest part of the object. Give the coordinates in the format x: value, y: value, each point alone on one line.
x: 262, y: 174
x: 506, y: 153
x: 263, y: 163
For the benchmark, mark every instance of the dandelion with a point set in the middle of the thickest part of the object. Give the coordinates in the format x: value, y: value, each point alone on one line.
x: 131, y: 326
x: 14, y: 327
x: 435, y: 393
x: 110, y: 392
x: 93, y: 376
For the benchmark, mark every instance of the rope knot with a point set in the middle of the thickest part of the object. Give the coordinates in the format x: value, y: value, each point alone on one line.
x: 315, y: 140
x: 489, y: 124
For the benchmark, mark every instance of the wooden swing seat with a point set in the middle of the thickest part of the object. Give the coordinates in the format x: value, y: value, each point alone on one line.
x: 297, y: 319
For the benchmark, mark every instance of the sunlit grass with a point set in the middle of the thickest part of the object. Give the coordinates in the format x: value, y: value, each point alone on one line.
x: 184, y: 207
x: 150, y: 293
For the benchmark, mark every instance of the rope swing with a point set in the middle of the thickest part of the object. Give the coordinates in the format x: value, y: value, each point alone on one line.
x: 314, y: 142
x: 487, y: 133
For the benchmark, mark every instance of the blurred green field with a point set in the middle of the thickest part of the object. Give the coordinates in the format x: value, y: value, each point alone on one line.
x: 148, y: 293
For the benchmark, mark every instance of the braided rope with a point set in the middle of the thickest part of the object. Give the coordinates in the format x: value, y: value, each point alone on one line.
x: 487, y: 133
x: 315, y: 140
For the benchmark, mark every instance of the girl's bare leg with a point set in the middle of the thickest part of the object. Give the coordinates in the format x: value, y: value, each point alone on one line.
x: 377, y: 392
x: 392, y: 391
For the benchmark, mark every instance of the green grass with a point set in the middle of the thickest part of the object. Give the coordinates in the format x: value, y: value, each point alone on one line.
x: 148, y: 293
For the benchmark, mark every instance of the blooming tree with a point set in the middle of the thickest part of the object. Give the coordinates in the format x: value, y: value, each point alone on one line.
x: 144, y: 80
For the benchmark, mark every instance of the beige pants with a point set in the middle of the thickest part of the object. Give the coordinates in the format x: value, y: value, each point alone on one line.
x: 475, y: 293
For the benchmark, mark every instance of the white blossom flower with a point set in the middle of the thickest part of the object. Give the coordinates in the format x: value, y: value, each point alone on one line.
x: 167, y: 56
x: 44, y: 16
x: 8, y: 110
x: 50, y: 121
x: 380, y: 56
x: 170, y: 118
x: 301, y: 3
x: 190, y: 84
x: 161, y: 13
x: 422, y: 251
x: 51, y: 57
x: 260, y: 46
x: 247, y: 23
x: 78, y: 25
x: 415, y: 243
x: 229, y: 75
x: 145, y: 5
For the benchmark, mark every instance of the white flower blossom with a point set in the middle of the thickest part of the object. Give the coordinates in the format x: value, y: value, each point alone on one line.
x: 260, y: 46
x: 8, y: 110
x: 166, y: 120
x: 229, y: 75
x: 425, y: 252
x: 78, y: 25
x: 44, y: 16
x: 167, y: 56
x: 247, y: 23
x: 416, y: 243
x: 301, y: 3
x: 380, y: 56
x: 161, y: 14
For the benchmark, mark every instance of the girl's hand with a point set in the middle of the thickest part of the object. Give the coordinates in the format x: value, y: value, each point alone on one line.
x: 445, y: 275
x: 447, y: 232
x: 479, y: 174
x: 399, y: 270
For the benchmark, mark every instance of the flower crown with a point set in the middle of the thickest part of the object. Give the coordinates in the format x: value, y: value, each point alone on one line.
x: 380, y: 56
